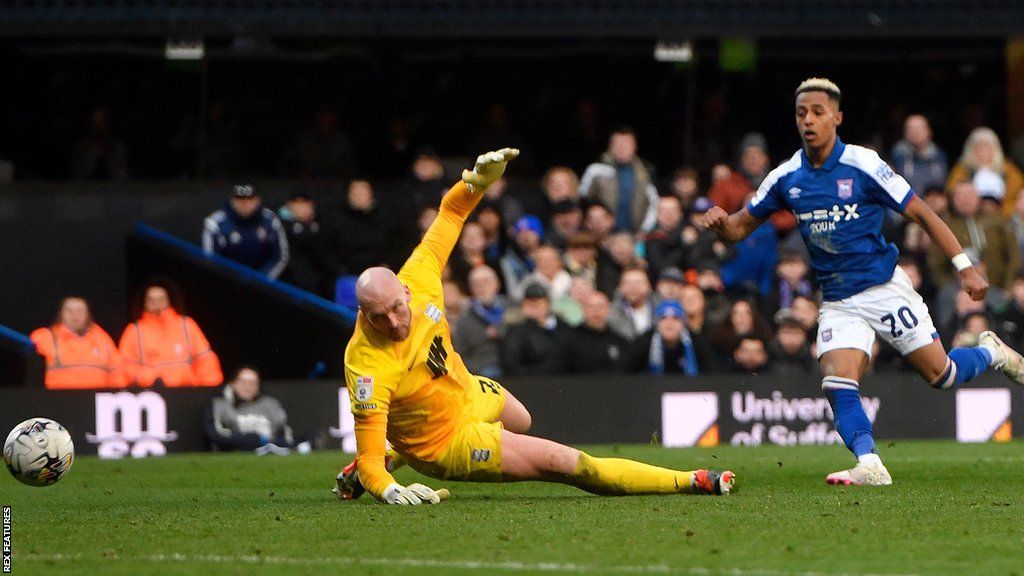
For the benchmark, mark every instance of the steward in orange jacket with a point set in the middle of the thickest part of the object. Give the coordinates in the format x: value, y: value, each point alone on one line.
x: 167, y: 346
x: 79, y: 354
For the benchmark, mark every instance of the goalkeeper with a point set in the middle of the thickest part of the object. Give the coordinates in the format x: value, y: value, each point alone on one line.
x: 406, y: 384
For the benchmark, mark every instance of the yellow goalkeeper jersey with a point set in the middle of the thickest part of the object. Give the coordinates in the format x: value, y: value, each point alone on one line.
x: 413, y: 393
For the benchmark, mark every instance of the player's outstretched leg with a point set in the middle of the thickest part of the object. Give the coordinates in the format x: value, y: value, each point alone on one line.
x: 347, y: 484
x: 531, y: 458
x: 963, y: 364
x: 1004, y: 358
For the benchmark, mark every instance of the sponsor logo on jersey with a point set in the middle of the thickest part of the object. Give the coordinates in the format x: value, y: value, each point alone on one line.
x: 433, y: 313
x: 845, y: 188
x: 479, y: 455
x: 364, y: 388
x: 822, y: 220
x: 826, y: 335
x: 794, y: 192
x: 362, y: 406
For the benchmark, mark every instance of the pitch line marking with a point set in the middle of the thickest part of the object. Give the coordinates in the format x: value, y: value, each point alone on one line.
x: 448, y: 564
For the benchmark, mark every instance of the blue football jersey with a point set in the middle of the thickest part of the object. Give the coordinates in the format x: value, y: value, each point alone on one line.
x: 839, y: 208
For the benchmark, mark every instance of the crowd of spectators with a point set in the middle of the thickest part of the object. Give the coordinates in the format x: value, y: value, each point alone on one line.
x: 609, y: 271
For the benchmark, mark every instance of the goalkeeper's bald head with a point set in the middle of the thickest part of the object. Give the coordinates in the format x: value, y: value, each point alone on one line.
x: 384, y: 302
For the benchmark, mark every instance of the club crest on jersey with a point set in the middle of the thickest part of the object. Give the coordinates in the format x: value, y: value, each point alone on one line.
x: 826, y: 335
x: 433, y: 313
x: 364, y: 388
x: 845, y: 188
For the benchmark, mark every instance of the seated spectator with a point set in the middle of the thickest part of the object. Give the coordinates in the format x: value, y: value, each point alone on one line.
x: 917, y: 158
x: 1010, y: 320
x: 730, y: 188
x: 359, y: 235
x: 743, y: 320
x: 548, y: 272
x: 311, y: 266
x: 633, y: 307
x: 566, y: 221
x: 701, y: 247
x: 791, y: 279
x: 982, y: 163
x: 971, y: 327
x: 477, y: 334
x: 510, y: 208
x: 162, y: 346
x: 242, y: 418
x: 790, y: 350
x: 469, y: 253
x: 246, y: 232
x: 670, y: 348
x: 560, y: 184
x: 663, y: 246
x: 685, y: 185
x: 455, y: 302
x: 540, y: 344
x: 569, y: 308
x: 987, y: 238
x: 79, y: 354
x: 717, y: 304
x: 599, y: 220
x: 805, y: 310
x: 518, y: 263
x: 593, y: 347
x: 750, y: 356
x: 670, y: 284
x: 750, y: 270
x: 495, y: 241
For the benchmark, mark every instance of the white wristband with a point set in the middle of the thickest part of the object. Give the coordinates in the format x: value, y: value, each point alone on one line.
x: 961, y: 261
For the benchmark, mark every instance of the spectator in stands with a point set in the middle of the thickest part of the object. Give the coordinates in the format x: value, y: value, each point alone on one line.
x: 566, y: 221
x: 548, y: 272
x: 599, y: 220
x: 1017, y: 221
x: 455, y: 302
x: 751, y: 268
x: 518, y: 261
x: 424, y: 218
x: 569, y: 308
x: 79, y: 354
x: 750, y: 355
x: 971, y: 326
x: 743, y: 320
x: 670, y: 348
x: 1010, y: 321
x: 701, y: 247
x: 311, y: 265
x: 560, y: 184
x: 730, y: 188
x: 162, y: 346
x: 468, y: 254
x: 717, y: 303
x: 242, y: 418
x: 791, y: 279
x: 805, y: 310
x: 633, y: 307
x: 754, y: 161
x: 670, y: 284
x: 477, y: 335
x: 663, y: 246
x: 510, y: 208
x: 493, y: 226
x: 623, y: 182
x: 986, y: 238
x: 322, y: 150
x: 952, y: 304
x: 983, y: 164
x: 360, y: 231
x: 539, y: 344
x: 790, y: 350
x: 593, y: 347
x: 248, y: 233
x: 426, y: 182
x: 918, y: 281
x: 685, y: 185
x: 100, y: 154
x: 622, y: 250
x: 694, y: 303
x: 917, y: 158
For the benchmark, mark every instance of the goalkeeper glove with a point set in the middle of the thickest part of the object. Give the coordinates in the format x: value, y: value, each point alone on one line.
x: 489, y: 167
x: 413, y: 495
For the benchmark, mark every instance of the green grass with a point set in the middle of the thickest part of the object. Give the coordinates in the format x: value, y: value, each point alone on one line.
x: 954, y: 509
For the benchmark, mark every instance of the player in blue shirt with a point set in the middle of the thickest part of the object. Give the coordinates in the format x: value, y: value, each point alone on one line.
x: 839, y: 194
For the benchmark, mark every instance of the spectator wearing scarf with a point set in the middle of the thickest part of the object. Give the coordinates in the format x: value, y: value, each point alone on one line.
x: 671, y: 350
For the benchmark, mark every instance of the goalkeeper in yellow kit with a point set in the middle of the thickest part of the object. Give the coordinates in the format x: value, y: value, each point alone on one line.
x: 408, y: 386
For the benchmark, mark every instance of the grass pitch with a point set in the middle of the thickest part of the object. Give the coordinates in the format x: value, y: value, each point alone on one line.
x: 954, y: 509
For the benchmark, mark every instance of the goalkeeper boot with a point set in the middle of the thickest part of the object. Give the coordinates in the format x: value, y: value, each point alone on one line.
x: 1006, y: 359
x: 861, y: 474
x: 713, y: 482
x: 347, y: 482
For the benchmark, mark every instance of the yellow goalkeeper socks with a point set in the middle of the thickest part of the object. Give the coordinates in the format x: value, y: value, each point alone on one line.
x: 617, y: 476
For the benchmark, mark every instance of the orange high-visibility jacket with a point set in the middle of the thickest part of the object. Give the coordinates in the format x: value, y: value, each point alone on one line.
x: 79, y: 362
x: 171, y: 347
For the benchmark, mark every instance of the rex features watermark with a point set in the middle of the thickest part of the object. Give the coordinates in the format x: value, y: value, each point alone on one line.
x: 7, y: 540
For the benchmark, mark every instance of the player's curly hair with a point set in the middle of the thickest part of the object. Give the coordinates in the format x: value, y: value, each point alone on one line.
x: 820, y: 85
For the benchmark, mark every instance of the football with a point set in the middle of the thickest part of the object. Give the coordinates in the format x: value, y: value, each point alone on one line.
x: 39, y: 451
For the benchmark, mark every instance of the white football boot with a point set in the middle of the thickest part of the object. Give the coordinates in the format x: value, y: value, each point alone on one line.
x: 861, y: 474
x: 1007, y: 360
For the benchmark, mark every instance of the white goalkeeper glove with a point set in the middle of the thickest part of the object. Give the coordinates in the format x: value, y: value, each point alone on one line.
x: 412, y: 495
x: 489, y: 167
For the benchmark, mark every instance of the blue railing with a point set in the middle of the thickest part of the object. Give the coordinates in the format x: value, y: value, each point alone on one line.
x: 16, y: 340
x: 244, y: 272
